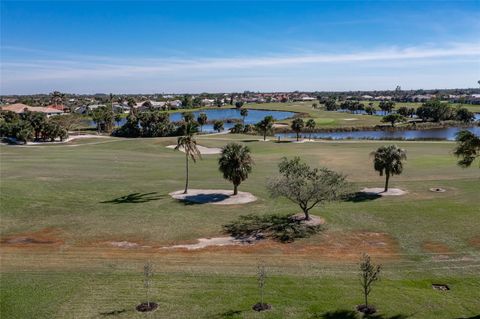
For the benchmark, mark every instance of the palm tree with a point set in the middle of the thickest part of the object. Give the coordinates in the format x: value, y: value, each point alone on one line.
x: 235, y: 163
x: 297, y: 126
x: 265, y: 125
x: 202, y: 120
x: 189, y: 145
x: 218, y: 126
x: 244, y: 114
x: 388, y: 160
x: 310, y: 126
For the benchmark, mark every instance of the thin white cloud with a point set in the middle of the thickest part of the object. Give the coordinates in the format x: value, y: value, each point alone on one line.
x: 99, y: 69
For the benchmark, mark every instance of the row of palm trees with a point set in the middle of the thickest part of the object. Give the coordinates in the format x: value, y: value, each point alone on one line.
x: 235, y: 161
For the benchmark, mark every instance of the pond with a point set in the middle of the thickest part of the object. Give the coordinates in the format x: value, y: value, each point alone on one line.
x: 447, y: 133
x: 254, y: 116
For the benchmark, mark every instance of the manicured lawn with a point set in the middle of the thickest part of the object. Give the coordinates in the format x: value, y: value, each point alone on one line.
x: 70, y: 197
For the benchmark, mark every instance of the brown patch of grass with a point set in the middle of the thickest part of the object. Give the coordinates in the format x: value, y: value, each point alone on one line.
x: 435, y: 247
x: 46, y: 237
x: 475, y: 241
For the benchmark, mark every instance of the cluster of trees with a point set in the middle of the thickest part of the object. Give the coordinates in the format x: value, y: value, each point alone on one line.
x: 437, y: 111
x: 34, y: 126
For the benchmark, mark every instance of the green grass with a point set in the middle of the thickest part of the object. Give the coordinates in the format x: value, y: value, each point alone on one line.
x: 70, y: 189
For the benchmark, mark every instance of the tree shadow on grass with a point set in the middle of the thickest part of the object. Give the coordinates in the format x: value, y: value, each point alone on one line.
x: 350, y: 314
x: 134, y: 198
x: 362, y: 197
x: 282, y: 228
x: 203, y: 198
x: 474, y: 317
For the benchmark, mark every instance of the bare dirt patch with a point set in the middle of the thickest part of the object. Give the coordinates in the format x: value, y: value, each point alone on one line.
x: 43, y: 237
x: 313, y: 221
x: 203, y: 150
x: 380, y: 191
x: 214, y: 196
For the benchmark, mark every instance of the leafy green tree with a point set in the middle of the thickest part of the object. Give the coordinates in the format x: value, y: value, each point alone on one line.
x: 238, y: 104
x: 468, y: 148
x: 388, y: 160
x: 103, y: 116
x: 265, y: 126
x: 305, y: 186
x: 386, y: 106
x: 331, y: 105
x: 237, y: 128
x: 244, y: 114
x: 188, y: 143
x: 310, y: 125
x: 187, y: 102
x: 393, y: 118
x: 218, y: 126
x: 370, y: 110
x: 297, y: 126
x: 464, y: 115
x: 235, y: 163
x: 202, y: 119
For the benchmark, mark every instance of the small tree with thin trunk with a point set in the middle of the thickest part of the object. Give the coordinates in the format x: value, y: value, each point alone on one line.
x: 297, y: 126
x: 369, y: 274
x: 218, y: 126
x: 388, y: 160
x: 307, y: 187
x: 261, y: 280
x: 235, y: 163
x: 147, y: 280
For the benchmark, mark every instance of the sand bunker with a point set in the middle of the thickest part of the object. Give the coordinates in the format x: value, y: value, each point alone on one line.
x: 280, y: 125
x: 213, y: 196
x: 380, y: 191
x: 203, y: 150
x: 305, y: 140
x: 215, y: 241
x: 350, y: 119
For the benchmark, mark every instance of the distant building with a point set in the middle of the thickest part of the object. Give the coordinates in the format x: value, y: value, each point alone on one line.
x: 20, y: 108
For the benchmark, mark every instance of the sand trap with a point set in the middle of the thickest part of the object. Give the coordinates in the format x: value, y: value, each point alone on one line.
x: 350, y: 119
x: 379, y: 191
x: 214, y: 196
x: 203, y: 150
x: 305, y: 140
x: 279, y: 125
x: 207, y: 242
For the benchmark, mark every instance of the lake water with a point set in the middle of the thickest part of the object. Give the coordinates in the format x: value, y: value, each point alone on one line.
x: 437, y: 133
x: 254, y: 116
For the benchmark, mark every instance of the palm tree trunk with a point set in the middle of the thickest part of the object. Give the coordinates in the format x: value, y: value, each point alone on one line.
x: 265, y: 135
x: 235, y: 189
x: 298, y: 134
x: 387, y: 177
x: 186, y: 173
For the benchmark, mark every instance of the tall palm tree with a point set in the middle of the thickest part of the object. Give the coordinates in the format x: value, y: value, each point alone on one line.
x: 310, y: 126
x: 244, y: 114
x: 189, y: 145
x: 388, y: 160
x: 202, y: 120
x: 297, y: 126
x: 235, y: 163
x: 265, y: 126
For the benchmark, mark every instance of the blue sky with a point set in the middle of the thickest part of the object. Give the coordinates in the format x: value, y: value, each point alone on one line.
x: 193, y: 46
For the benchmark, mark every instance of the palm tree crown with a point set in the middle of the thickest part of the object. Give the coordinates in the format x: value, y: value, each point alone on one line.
x: 235, y: 163
x: 388, y: 160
